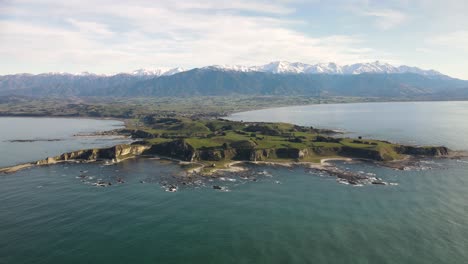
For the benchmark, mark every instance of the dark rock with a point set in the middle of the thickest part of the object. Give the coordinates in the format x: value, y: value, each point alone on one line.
x: 423, y: 151
x: 142, y: 134
x: 379, y: 183
x: 172, y: 188
x: 178, y: 149
x: 361, y: 153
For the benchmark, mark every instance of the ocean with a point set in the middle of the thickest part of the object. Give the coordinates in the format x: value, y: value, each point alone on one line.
x: 54, y: 214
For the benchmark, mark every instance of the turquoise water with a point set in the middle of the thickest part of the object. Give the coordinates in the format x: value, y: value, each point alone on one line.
x: 42, y: 129
x: 54, y: 214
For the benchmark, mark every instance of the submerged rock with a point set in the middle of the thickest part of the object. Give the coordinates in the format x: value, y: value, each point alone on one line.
x: 379, y: 182
x: 171, y: 188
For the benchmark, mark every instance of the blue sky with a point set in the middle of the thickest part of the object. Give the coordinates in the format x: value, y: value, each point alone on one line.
x: 118, y: 36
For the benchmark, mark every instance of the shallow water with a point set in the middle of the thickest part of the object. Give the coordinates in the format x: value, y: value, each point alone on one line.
x: 55, y: 214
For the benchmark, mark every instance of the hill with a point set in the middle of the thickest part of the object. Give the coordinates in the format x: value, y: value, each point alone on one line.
x: 217, y: 82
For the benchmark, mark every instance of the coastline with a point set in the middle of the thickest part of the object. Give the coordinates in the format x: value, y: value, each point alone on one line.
x: 324, y: 165
x: 204, y: 167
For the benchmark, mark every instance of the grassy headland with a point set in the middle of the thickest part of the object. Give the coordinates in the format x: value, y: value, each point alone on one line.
x: 190, y: 130
x: 215, y: 144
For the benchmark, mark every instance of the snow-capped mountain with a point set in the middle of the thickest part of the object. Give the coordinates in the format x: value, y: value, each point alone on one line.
x: 278, y: 67
x: 298, y: 67
x: 378, y: 67
x: 85, y: 73
x: 157, y: 72
x: 276, y: 78
x: 173, y: 71
x: 283, y: 67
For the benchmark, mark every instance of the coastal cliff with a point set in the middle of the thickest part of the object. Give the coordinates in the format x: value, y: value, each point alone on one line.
x: 219, y: 142
x: 423, y: 151
x: 116, y: 153
x: 182, y: 150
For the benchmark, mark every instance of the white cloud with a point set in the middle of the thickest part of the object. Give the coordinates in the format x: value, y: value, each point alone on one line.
x: 423, y: 50
x: 452, y: 40
x: 252, y: 6
x: 386, y: 19
x: 109, y: 36
x: 91, y: 28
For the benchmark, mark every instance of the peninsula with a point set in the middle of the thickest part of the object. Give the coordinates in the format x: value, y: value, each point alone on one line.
x: 208, y: 145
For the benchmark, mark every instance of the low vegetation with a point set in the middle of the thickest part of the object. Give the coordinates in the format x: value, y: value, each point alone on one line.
x: 215, y: 142
x: 212, y: 144
x: 189, y: 129
x: 123, y: 107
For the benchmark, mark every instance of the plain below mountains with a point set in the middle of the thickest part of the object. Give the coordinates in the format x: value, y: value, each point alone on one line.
x: 370, y: 80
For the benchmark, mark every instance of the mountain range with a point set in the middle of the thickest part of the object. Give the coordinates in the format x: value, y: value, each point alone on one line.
x: 280, y: 67
x: 277, y: 78
x: 283, y: 67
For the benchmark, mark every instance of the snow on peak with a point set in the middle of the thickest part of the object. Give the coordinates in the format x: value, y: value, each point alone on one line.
x: 238, y: 68
x: 157, y: 72
x: 78, y: 74
x: 173, y: 71
x: 373, y: 67
x: 284, y: 67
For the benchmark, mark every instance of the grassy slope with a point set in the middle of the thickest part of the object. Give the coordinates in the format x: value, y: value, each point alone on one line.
x: 219, y: 134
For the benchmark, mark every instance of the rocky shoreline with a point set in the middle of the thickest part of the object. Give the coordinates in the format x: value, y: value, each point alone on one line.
x: 114, y: 154
x: 246, y: 143
x: 119, y: 153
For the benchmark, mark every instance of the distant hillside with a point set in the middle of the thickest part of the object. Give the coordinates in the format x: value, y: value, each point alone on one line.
x: 214, y: 82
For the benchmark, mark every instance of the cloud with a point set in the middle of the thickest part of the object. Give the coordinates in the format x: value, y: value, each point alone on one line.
x: 423, y: 50
x: 386, y: 19
x: 113, y: 36
x: 91, y: 28
x: 251, y: 6
x: 452, y: 40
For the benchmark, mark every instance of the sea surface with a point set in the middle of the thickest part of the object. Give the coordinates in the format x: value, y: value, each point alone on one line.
x: 423, y: 123
x: 28, y: 139
x: 55, y: 214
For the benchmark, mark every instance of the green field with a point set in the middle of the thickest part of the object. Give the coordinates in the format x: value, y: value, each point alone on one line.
x: 218, y: 142
x: 191, y: 129
x: 122, y: 107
